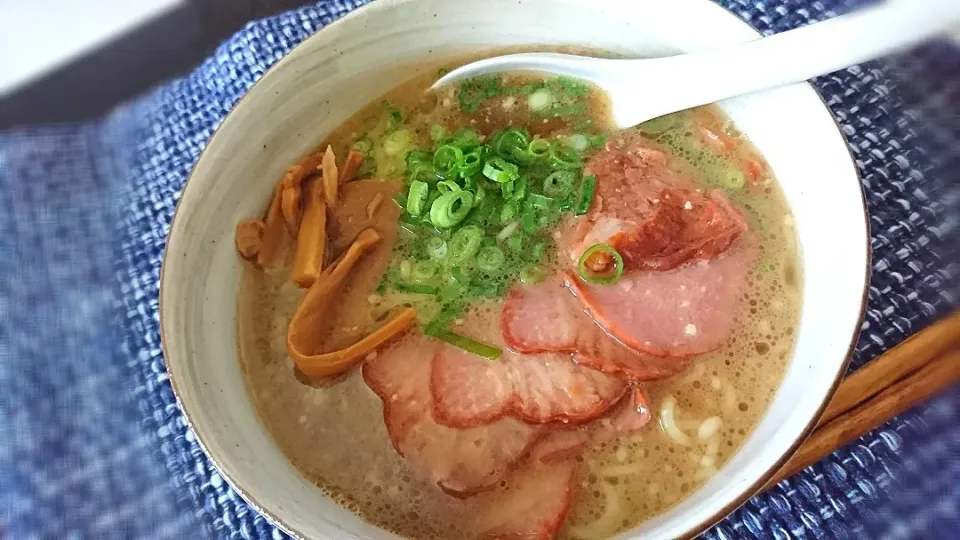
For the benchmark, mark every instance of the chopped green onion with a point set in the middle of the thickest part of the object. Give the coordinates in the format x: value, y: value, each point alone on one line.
x: 540, y: 100
x: 437, y: 132
x: 734, y: 179
x: 394, y: 116
x: 401, y: 200
x: 490, y: 259
x: 471, y: 163
x: 537, y: 251
x: 608, y: 259
x: 450, y: 293
x: 439, y: 323
x: 436, y: 247
x: 417, y: 288
x: 417, y: 199
x: 509, y: 212
x: 596, y: 140
x: 406, y: 268
x: 515, y: 243
x: 367, y: 167
x: 500, y: 170
x: 469, y: 345
x: 519, y: 189
x: 539, y: 201
x: 451, y: 208
x: 573, y: 87
x: 418, y: 157
x: 559, y: 183
x: 566, y: 203
x: 506, y: 190
x: 465, y: 139
x: 447, y: 159
x: 578, y: 142
x: 425, y: 270
x: 586, y: 195
x: 511, y: 143
x: 566, y: 110
x: 479, y: 195
x: 363, y: 144
x: 464, y: 243
x: 564, y: 157
x: 448, y: 186
x: 422, y: 172
x: 473, y: 92
x: 397, y: 143
x: 532, y: 274
x: 538, y: 148
x: 529, y: 220
x: 459, y: 275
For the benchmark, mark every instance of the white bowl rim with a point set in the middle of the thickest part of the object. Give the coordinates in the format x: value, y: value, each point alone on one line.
x: 696, y: 528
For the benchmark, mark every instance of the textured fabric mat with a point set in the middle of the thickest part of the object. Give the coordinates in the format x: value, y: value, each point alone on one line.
x: 92, y: 444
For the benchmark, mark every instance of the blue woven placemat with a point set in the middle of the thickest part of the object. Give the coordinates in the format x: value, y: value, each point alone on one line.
x: 92, y: 444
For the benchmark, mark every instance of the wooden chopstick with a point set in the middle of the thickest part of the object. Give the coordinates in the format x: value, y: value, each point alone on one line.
x: 900, y: 379
x: 892, y: 366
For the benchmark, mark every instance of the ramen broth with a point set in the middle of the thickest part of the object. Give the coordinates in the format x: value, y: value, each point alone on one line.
x: 333, y: 430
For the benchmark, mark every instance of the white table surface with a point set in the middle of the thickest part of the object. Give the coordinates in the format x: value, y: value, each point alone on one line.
x: 38, y: 36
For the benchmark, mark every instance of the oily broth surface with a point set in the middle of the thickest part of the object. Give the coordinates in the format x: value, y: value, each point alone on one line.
x: 333, y: 432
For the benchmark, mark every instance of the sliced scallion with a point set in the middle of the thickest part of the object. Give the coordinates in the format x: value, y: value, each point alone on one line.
x: 471, y: 163
x: 538, y: 148
x: 500, y: 170
x: 532, y: 274
x: 363, y: 144
x: 465, y: 139
x: 451, y: 208
x: 510, y: 144
x: 437, y: 132
x: 436, y: 248
x: 540, y: 100
x: 422, y: 172
x: 447, y: 159
x: 460, y: 275
x: 490, y: 259
x: 509, y: 212
x: 416, y: 288
x: 406, y: 268
x: 519, y: 189
x: 600, y: 264
x: 540, y: 201
x: 564, y: 157
x: 577, y: 141
x: 529, y: 220
x: 394, y: 116
x: 448, y: 186
x: 469, y: 345
x: 734, y: 179
x: 425, y: 271
x: 559, y: 183
x: 417, y: 198
x: 464, y: 243
x: 587, y: 190
x: 515, y: 243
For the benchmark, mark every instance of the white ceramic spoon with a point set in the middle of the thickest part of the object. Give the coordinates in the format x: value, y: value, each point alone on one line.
x: 641, y: 90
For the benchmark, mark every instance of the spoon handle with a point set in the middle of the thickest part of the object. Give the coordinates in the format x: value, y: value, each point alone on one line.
x: 792, y: 56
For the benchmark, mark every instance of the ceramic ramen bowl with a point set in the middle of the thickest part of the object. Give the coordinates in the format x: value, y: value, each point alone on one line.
x: 348, y: 64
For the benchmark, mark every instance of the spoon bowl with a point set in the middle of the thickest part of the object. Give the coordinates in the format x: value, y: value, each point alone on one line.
x: 644, y: 89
